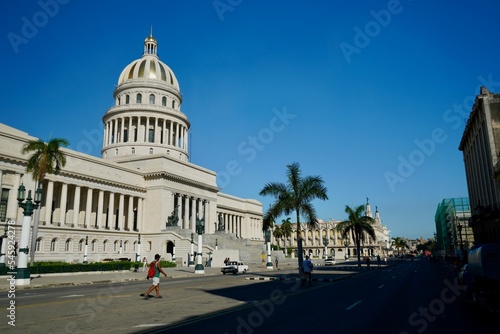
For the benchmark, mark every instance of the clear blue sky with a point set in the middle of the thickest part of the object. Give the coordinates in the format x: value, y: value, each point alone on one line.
x: 370, y: 95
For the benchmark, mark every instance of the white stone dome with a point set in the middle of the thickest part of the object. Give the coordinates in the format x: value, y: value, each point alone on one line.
x: 149, y: 67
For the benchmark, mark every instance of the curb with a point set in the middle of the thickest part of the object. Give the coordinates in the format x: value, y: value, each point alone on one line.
x: 297, y: 279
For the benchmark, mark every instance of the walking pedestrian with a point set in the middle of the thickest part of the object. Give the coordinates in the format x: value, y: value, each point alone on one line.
x: 144, y: 263
x: 156, y: 278
x: 276, y: 261
x: 307, y: 267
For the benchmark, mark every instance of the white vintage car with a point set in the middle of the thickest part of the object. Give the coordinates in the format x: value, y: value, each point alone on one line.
x: 234, y: 267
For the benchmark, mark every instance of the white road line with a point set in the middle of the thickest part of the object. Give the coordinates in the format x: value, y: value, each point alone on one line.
x: 350, y: 307
x: 380, y: 287
x: 71, y: 296
x: 150, y: 325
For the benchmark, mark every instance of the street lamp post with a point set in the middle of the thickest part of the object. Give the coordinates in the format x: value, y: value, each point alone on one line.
x: 459, y: 227
x: 267, y: 235
x: 138, y: 255
x: 173, y: 252
x: 191, y: 255
x: 85, y: 249
x: 28, y: 205
x: 200, y: 229
x: 216, y: 246
x: 346, y: 243
x: 326, y: 243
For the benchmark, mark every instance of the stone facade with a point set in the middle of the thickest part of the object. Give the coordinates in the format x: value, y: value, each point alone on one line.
x: 480, y: 145
x: 143, y: 178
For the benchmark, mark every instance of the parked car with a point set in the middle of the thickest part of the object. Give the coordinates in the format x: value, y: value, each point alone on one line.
x: 234, y: 267
x: 330, y: 261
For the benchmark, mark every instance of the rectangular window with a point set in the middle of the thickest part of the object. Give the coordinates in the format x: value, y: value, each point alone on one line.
x: 4, y: 200
x: 151, y: 136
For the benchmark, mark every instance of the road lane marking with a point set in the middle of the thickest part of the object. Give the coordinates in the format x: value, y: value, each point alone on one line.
x: 71, y: 296
x: 381, y: 286
x: 350, y: 307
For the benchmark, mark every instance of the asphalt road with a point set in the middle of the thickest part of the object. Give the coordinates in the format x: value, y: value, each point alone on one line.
x: 411, y: 297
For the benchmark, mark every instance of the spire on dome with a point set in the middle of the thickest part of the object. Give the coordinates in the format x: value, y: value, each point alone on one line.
x: 150, y: 45
x: 377, y: 216
x: 368, y: 212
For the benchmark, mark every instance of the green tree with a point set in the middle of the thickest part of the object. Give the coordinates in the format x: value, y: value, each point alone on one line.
x: 399, y: 243
x: 46, y: 158
x: 286, y: 229
x: 278, y: 234
x: 358, y: 225
x: 294, y: 196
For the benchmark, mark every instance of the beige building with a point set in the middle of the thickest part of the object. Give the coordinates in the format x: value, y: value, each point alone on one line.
x: 143, y: 180
x: 480, y: 145
x: 314, y: 239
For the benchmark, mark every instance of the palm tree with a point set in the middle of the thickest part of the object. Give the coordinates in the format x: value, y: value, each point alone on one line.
x: 46, y: 159
x: 358, y: 225
x: 294, y: 196
x: 278, y: 234
x: 286, y: 229
x: 399, y: 243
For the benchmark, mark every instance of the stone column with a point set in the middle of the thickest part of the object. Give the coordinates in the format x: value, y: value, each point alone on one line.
x: 192, y: 226
x: 185, y: 221
x: 139, y: 213
x: 48, y: 202
x: 76, y: 206
x: 100, y: 208
x: 111, y: 210
x: 62, y: 205
x: 130, y: 215
x: 88, y: 208
x: 121, y: 209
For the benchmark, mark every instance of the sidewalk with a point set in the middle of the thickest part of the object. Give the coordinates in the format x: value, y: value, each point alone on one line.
x: 82, y: 278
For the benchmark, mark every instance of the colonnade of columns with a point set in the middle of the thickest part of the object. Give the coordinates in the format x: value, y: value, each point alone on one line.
x: 71, y: 205
x: 145, y: 129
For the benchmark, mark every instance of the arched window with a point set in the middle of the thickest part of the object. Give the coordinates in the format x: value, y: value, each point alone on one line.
x: 133, y: 150
x: 151, y: 151
x: 67, y: 245
x: 115, y: 248
x: 125, y: 246
x: 138, y: 99
x: 164, y: 101
x: 151, y: 99
x: 38, y: 244
x: 94, y: 245
x: 105, y: 245
x: 119, y: 100
x: 127, y: 99
x: 53, y: 245
x: 173, y: 104
x: 81, y: 243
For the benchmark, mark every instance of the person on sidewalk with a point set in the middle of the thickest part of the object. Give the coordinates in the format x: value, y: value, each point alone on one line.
x: 156, y: 278
x: 144, y: 263
x: 307, y: 266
